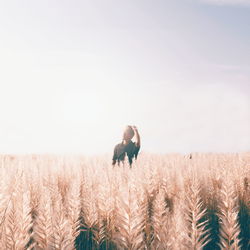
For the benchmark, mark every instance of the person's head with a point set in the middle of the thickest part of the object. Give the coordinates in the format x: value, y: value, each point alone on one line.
x: 128, y: 133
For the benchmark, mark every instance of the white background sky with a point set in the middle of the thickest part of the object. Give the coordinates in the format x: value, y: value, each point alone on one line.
x: 74, y: 73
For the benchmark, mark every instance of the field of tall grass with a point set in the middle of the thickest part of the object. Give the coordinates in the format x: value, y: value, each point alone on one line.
x: 163, y: 202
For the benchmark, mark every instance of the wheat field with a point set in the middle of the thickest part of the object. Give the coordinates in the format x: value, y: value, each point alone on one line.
x: 163, y: 202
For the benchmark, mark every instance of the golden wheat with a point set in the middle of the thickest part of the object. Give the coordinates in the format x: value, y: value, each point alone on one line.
x: 163, y: 202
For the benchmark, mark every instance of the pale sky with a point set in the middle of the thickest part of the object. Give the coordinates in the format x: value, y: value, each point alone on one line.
x: 74, y: 73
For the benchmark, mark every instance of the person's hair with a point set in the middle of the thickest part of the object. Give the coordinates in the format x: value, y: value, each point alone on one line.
x: 130, y: 129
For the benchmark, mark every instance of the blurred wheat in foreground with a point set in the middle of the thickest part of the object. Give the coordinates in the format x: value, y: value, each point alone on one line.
x: 163, y: 202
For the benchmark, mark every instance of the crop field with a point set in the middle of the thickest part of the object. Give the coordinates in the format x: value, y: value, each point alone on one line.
x: 163, y: 202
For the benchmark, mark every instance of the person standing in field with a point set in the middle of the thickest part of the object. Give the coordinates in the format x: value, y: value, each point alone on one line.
x: 127, y: 147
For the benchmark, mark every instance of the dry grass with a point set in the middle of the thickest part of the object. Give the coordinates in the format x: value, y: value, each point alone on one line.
x: 163, y: 202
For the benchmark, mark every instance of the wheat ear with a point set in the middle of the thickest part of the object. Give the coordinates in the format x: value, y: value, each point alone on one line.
x: 195, y: 212
x: 43, y: 224
x: 229, y: 230
x: 161, y: 222
x: 130, y: 225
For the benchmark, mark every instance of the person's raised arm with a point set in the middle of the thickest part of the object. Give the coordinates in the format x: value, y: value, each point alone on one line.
x: 137, y: 137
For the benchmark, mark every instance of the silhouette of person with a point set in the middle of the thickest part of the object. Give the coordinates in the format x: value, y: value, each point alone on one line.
x: 127, y: 147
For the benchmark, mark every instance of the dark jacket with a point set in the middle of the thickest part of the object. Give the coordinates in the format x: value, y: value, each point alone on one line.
x: 121, y: 150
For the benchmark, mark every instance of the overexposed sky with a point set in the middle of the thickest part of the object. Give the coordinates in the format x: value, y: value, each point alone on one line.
x: 74, y: 73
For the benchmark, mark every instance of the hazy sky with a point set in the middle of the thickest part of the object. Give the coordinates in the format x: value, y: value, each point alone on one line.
x: 74, y: 73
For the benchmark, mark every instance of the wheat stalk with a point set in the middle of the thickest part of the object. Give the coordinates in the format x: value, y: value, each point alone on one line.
x: 195, y: 213
x: 43, y: 232
x: 130, y: 225
x: 161, y: 222
x: 229, y: 231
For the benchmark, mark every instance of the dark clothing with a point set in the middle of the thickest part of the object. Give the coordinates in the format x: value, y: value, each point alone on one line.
x: 121, y: 150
